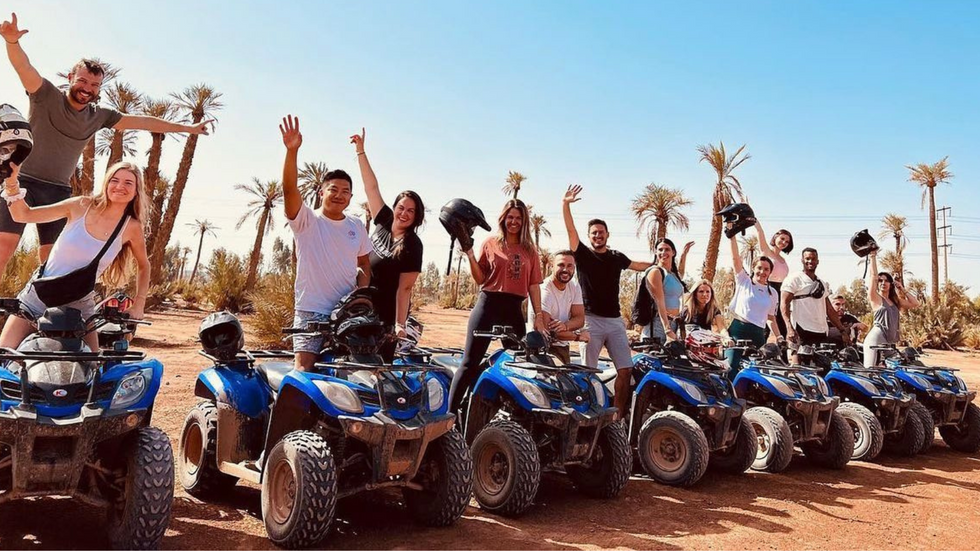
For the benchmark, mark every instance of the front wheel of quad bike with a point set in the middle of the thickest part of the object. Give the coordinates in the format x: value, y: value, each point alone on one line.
x: 446, y: 477
x: 964, y: 437
x: 737, y: 458
x: 299, y: 490
x: 139, y: 515
x: 868, y: 434
x: 673, y: 449
x: 506, y: 468
x: 928, y: 425
x: 908, y: 439
x: 197, y: 464
x: 609, y: 469
x: 836, y: 448
x: 774, y: 437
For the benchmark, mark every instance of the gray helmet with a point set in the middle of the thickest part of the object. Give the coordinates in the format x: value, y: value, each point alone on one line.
x: 16, y: 139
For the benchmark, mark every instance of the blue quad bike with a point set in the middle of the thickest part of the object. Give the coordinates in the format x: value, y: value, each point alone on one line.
x: 76, y: 422
x: 685, y: 416
x: 790, y: 406
x: 527, y: 413
x: 873, y: 402
x: 943, y: 399
x: 353, y: 424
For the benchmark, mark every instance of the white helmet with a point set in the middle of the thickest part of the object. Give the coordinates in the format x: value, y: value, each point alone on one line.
x: 16, y: 140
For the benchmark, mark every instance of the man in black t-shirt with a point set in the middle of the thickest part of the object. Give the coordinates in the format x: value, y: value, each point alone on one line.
x: 853, y: 325
x: 598, y: 269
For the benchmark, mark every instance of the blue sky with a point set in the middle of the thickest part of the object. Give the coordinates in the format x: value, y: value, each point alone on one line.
x: 832, y: 100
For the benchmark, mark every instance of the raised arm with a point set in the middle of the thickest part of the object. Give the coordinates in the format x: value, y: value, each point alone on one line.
x: 736, y: 258
x: 571, y: 196
x: 873, y: 296
x: 763, y: 244
x: 371, y: 188
x: 29, y: 77
x: 292, y: 139
x: 157, y: 125
x: 683, y: 263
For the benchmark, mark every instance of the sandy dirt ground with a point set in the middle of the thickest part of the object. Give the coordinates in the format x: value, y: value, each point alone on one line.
x: 928, y: 502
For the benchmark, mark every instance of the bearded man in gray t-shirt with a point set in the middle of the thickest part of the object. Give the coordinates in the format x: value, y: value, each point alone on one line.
x: 62, y: 123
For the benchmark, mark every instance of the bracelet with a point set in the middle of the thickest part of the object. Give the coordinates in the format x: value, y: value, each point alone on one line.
x: 361, y: 153
x: 12, y: 198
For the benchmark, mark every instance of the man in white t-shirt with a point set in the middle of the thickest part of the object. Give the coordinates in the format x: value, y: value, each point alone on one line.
x: 562, y: 306
x: 805, y: 306
x: 331, y: 248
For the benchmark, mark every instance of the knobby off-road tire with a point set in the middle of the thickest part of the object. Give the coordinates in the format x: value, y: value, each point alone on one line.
x: 775, y: 440
x: 737, y: 458
x: 908, y: 439
x: 446, y: 475
x: 609, y: 469
x: 140, y: 517
x: 506, y: 468
x: 867, y: 432
x: 928, y: 425
x: 299, y: 490
x: 673, y: 449
x: 837, y: 447
x: 964, y: 437
x: 197, y: 464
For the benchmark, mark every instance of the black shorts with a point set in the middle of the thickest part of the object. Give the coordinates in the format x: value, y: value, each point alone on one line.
x: 39, y: 194
x: 811, y: 338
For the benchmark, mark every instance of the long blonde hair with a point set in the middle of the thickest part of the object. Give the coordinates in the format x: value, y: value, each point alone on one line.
x: 694, y: 314
x: 525, y: 235
x: 119, y: 272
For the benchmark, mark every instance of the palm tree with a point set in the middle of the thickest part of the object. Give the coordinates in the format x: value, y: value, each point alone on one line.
x: 265, y: 197
x: 366, y: 210
x: 514, y: 181
x: 539, y: 227
x: 125, y: 99
x: 658, y: 207
x: 929, y: 176
x: 184, y: 251
x: 196, y: 103
x: 202, y: 227
x: 166, y: 110
x: 894, y: 226
x: 894, y: 264
x: 727, y: 187
x: 85, y: 180
x: 750, y: 248
x: 311, y: 181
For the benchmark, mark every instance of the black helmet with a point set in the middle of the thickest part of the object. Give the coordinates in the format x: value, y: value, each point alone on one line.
x: 849, y: 354
x: 863, y: 244
x: 222, y: 335
x: 359, y: 302
x: 16, y: 139
x: 770, y: 351
x: 459, y: 217
x: 738, y: 217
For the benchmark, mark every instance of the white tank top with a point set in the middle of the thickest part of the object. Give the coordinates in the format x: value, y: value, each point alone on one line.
x: 75, y: 248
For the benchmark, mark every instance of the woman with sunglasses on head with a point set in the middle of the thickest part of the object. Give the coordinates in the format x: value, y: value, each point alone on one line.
x: 396, y: 258
x: 110, y: 222
x: 780, y: 244
x: 508, y: 271
x: 666, y: 288
x: 888, y: 300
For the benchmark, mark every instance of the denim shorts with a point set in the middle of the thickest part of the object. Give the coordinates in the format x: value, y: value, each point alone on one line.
x: 307, y: 343
x: 30, y: 302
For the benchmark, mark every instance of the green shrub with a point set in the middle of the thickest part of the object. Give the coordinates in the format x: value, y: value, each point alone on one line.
x: 225, y: 288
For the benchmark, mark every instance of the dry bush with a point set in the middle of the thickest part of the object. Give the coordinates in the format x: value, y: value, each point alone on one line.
x: 972, y: 339
x: 951, y: 323
x: 19, y: 270
x: 273, y: 304
x: 225, y: 288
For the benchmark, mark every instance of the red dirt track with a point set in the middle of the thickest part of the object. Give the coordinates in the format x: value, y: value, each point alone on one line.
x: 930, y: 501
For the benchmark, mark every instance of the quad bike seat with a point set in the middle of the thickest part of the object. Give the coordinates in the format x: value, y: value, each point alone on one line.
x: 274, y: 372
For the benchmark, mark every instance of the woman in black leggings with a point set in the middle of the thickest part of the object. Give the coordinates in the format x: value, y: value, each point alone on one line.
x: 508, y: 270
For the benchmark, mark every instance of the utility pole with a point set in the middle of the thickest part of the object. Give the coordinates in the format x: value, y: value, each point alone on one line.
x: 946, y: 229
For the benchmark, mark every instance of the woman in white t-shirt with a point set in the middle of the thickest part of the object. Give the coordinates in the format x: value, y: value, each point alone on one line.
x: 753, y: 306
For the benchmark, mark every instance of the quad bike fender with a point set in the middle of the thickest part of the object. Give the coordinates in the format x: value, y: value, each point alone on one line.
x: 658, y: 378
x: 918, y: 382
x: 241, y: 389
x: 492, y: 382
x: 748, y: 377
x: 836, y: 379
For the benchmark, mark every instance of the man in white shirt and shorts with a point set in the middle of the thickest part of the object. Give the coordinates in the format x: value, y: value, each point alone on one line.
x: 805, y: 306
x: 562, y: 306
x: 331, y: 247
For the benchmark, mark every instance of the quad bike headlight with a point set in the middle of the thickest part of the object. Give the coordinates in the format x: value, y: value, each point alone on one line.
x: 867, y: 385
x: 921, y: 381
x: 531, y: 392
x: 131, y: 388
x: 822, y: 385
x: 960, y: 383
x: 692, y: 390
x: 781, y: 386
x: 341, y: 396
x: 599, y: 391
x: 437, y: 394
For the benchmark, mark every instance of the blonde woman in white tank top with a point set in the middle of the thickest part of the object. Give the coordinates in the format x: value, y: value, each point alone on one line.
x: 91, y: 221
